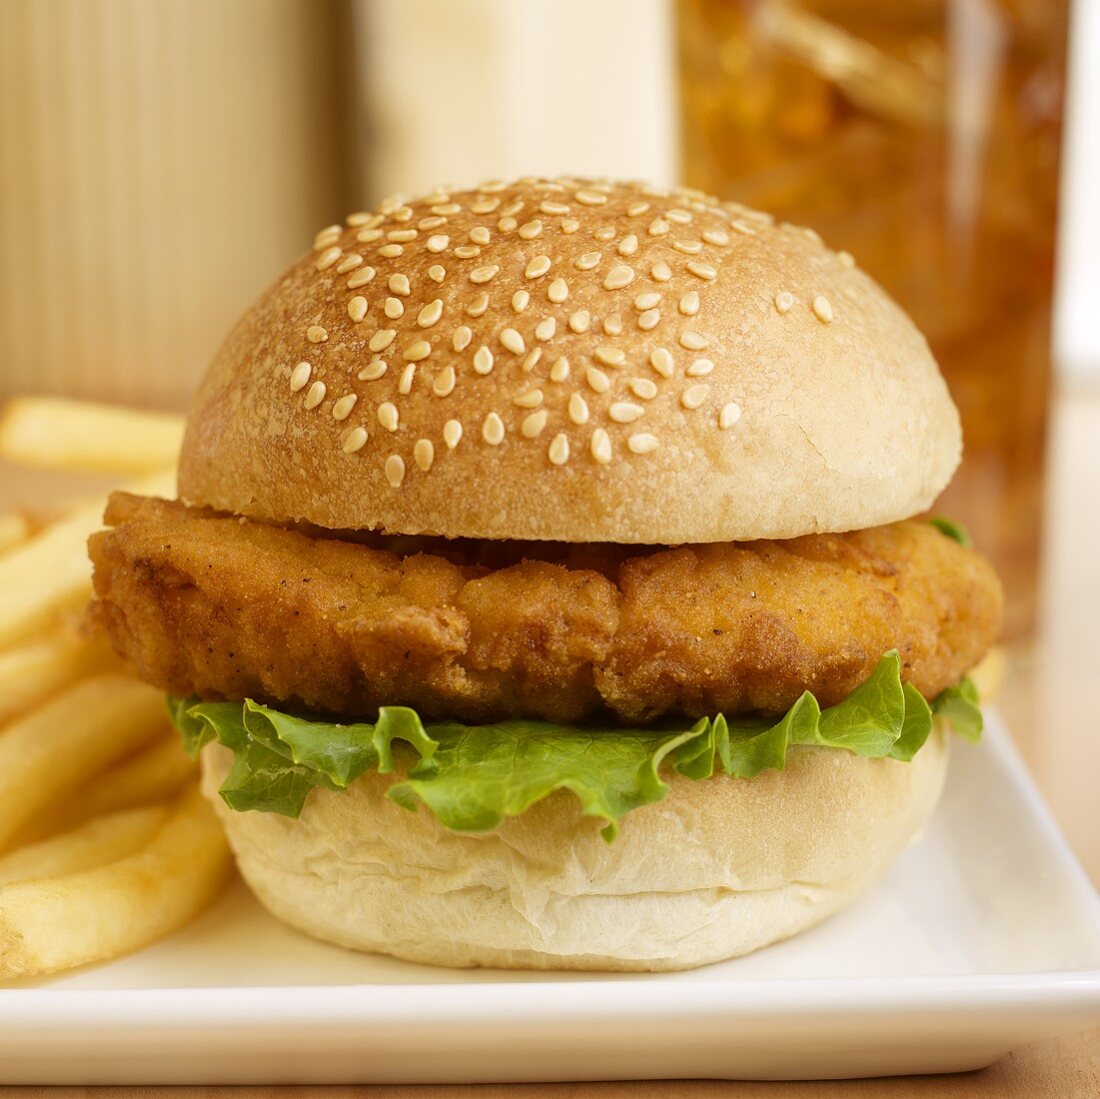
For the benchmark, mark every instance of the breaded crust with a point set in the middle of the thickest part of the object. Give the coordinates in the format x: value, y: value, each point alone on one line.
x: 224, y: 607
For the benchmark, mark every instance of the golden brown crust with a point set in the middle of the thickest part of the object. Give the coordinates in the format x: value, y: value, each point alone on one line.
x: 696, y: 327
x: 225, y: 607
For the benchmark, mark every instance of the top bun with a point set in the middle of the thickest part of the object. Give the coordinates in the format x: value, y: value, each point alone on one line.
x: 576, y: 361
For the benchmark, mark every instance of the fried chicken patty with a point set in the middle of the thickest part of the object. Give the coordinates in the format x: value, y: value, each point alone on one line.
x: 224, y: 607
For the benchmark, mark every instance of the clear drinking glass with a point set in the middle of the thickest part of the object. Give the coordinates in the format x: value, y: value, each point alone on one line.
x: 924, y: 137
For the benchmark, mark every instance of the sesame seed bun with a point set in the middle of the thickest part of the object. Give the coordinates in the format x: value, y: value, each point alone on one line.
x: 687, y: 882
x: 572, y: 361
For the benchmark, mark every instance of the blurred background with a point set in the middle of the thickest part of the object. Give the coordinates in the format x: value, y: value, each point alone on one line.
x: 161, y: 162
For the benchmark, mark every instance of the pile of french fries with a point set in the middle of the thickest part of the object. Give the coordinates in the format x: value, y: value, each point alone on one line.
x: 105, y: 842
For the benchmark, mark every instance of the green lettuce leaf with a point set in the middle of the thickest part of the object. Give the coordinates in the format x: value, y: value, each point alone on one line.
x: 952, y: 529
x: 474, y: 776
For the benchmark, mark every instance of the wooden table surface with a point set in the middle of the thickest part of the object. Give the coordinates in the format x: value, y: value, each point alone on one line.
x: 1049, y: 705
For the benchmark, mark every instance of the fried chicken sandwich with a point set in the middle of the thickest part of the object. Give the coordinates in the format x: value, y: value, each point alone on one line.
x: 546, y: 588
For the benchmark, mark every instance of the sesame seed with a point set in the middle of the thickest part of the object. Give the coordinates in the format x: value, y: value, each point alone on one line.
x: 530, y: 229
x: 512, y: 208
x: 430, y: 314
x: 846, y: 259
x: 579, y: 321
x: 660, y: 271
x: 393, y: 308
x: 478, y: 306
x: 349, y: 263
x: 822, y: 309
x: 558, y: 451
x: 597, y: 380
x: 437, y: 273
x: 480, y: 235
x: 368, y: 236
x: 716, y: 236
x: 387, y: 415
x: 461, y: 337
x: 395, y: 470
x: 625, y: 412
x: 444, y: 382
x: 610, y: 356
x: 606, y: 233
x: 532, y: 425
x: 587, y: 261
x: 452, y: 432
x: 485, y: 206
x: 569, y: 226
x: 532, y: 358
x: 601, y: 446
x: 512, y: 341
x: 328, y: 257
x: 405, y: 383
x: 447, y: 208
x: 438, y: 243
x: 537, y: 267
x: 531, y: 399
x: 391, y: 251
x: 554, y: 208
x: 628, y: 245
x: 428, y: 224
x: 545, y: 329
x: 784, y: 301
x: 492, y: 186
x: 658, y: 227
x: 619, y: 276
x: 316, y: 334
x: 360, y: 278
x: 314, y: 395
x: 693, y: 341
x: 483, y: 274
x: 636, y: 209
x: 326, y: 236
x: 688, y: 247
x: 299, y: 376
x: 402, y: 236
x: 506, y: 224
x: 642, y: 443
x: 424, y: 454
x: 354, y: 440
x: 613, y: 324
x: 520, y: 300
x: 341, y: 410
x: 647, y: 301
x: 560, y: 370
x: 694, y: 396
x: 492, y: 430
x: 467, y: 251
x: 679, y: 217
x: 689, y: 303
x: 700, y: 368
x: 578, y: 409
x: 729, y: 415
x: 590, y: 198
x: 399, y: 284
x: 364, y: 220
x: 372, y: 371
x: 402, y: 213
x: 558, y: 291
x: 745, y: 230
x: 644, y: 388
x: 649, y: 319
x: 661, y: 361
x: 702, y: 270
x: 483, y: 360
x: 417, y: 351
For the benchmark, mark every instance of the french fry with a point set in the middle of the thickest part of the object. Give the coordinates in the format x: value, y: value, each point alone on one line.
x: 57, y: 433
x: 92, y: 915
x: 50, y: 571
x: 50, y: 752
x: 14, y: 528
x: 154, y: 774
x: 34, y: 670
x: 98, y: 841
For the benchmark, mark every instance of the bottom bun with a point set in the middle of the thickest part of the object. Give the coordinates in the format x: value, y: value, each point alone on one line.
x: 719, y: 868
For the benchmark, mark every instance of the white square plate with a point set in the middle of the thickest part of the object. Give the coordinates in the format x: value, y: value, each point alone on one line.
x: 984, y: 935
